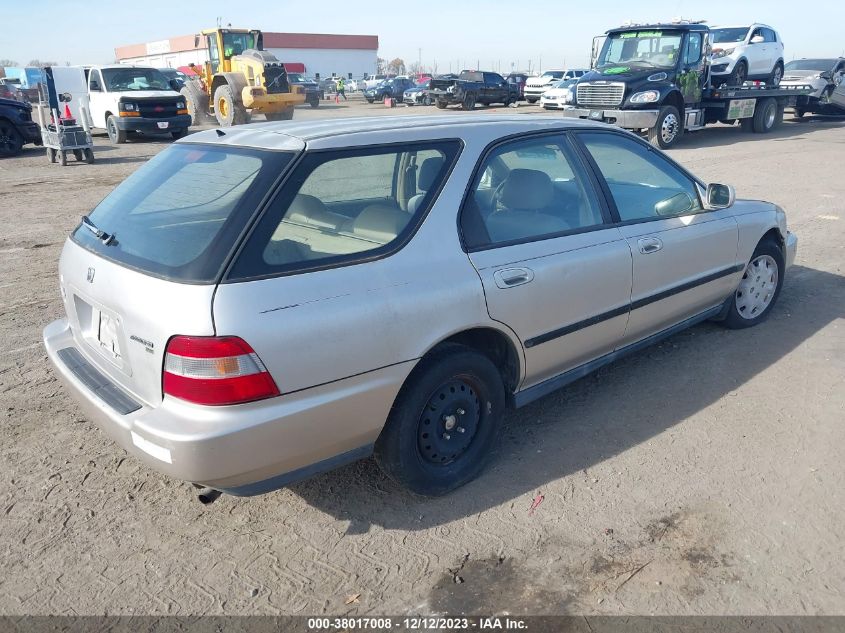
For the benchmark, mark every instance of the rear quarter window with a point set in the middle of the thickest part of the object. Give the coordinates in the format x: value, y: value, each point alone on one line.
x: 340, y: 207
x: 180, y: 214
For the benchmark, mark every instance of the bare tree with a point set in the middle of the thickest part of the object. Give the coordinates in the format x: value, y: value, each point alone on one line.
x: 39, y: 64
x: 397, y: 66
x: 415, y: 68
x: 381, y: 65
x: 8, y: 62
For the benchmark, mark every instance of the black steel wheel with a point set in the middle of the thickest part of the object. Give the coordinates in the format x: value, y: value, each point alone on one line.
x: 11, y: 142
x: 444, y: 423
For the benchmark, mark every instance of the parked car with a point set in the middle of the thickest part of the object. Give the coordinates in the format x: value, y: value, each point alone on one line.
x: 418, y: 95
x: 373, y: 81
x: 518, y: 80
x: 746, y: 52
x: 283, y: 323
x: 394, y: 88
x: 536, y: 86
x: 827, y: 78
x: 351, y: 85
x: 313, y: 91
x: 472, y: 87
x: 174, y: 74
x: 559, y: 95
x: 16, y: 126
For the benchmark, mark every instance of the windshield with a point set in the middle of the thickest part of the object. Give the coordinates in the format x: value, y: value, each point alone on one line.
x: 566, y: 83
x: 820, y: 65
x: 729, y: 36
x: 179, y: 215
x: 657, y: 49
x: 296, y: 78
x: 124, y: 79
x: 552, y: 74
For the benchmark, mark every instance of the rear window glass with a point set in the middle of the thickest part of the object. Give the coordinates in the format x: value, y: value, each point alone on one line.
x: 342, y: 206
x: 179, y: 215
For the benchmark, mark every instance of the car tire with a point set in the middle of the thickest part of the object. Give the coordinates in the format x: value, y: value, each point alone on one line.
x: 77, y: 154
x: 776, y: 75
x: 531, y: 100
x: 739, y: 74
x: 454, y: 400
x: 468, y: 102
x: 51, y: 154
x: 441, y: 104
x: 314, y: 102
x: 759, y: 288
x: 89, y: 156
x: 11, y: 141
x: 767, y: 115
x: 668, y: 129
x: 227, y: 110
x: 427, y: 100
x: 177, y: 134
x: 116, y: 135
x: 798, y: 113
x: 63, y: 158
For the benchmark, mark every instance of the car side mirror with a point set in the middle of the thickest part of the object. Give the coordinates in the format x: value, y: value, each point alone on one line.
x: 175, y: 84
x: 827, y: 75
x: 675, y: 205
x: 757, y: 39
x: 719, y: 197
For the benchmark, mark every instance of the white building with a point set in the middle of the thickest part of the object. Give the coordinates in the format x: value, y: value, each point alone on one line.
x: 341, y: 55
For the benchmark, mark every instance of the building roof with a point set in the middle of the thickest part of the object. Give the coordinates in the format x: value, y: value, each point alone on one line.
x: 294, y: 135
x: 182, y: 43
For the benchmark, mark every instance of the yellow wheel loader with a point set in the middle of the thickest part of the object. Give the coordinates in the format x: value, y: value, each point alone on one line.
x: 240, y: 78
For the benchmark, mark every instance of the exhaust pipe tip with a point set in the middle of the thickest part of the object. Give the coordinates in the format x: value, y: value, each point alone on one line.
x: 207, y: 495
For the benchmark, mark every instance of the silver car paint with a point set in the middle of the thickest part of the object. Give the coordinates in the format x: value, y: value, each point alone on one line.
x: 341, y: 342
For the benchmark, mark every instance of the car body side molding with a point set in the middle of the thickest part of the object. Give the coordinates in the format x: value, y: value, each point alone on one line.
x: 521, y: 398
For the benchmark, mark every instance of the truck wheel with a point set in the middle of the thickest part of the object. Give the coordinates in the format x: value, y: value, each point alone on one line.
x: 226, y: 109
x: 739, y: 75
x: 314, y: 102
x: 531, y: 99
x: 766, y: 115
x: 668, y: 128
x: 196, y: 102
x: 177, y: 134
x: 441, y: 105
x: 798, y: 113
x: 445, y: 422
x: 11, y: 142
x: 468, y: 103
x: 116, y: 135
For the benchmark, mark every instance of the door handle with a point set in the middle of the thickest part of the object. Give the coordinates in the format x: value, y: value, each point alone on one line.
x: 510, y: 277
x: 650, y: 245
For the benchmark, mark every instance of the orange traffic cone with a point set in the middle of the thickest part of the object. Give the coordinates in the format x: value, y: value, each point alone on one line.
x: 67, y: 115
x: 337, y: 97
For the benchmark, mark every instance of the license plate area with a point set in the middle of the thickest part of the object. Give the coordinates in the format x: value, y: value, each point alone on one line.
x: 163, y: 125
x: 102, y: 330
x: 107, y: 333
x: 596, y: 115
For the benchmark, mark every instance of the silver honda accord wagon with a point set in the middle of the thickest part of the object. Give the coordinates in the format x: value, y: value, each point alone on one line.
x: 260, y: 304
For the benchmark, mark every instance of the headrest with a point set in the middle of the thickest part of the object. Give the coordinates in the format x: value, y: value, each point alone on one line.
x: 527, y: 189
x: 429, y: 171
x: 307, y: 209
x: 380, y: 222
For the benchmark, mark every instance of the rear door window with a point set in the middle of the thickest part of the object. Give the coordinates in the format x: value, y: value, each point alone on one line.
x: 179, y: 215
x: 343, y: 206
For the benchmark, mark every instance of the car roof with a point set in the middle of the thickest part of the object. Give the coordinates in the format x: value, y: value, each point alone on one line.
x: 295, y: 135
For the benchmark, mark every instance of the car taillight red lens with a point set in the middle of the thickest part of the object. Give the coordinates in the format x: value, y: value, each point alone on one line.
x: 215, y: 370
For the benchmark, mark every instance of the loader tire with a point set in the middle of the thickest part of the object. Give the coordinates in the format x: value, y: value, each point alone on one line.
x: 227, y: 109
x: 196, y: 101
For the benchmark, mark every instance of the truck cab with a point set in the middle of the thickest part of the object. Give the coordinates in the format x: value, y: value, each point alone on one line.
x: 646, y: 77
x: 124, y: 99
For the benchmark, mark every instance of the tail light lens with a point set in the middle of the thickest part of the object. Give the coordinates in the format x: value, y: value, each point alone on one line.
x: 215, y: 370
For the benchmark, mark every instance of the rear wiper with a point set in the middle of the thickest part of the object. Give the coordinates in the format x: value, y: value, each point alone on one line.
x: 101, y: 235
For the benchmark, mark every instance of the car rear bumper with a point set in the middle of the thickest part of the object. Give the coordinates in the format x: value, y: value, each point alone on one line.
x: 153, y: 126
x: 628, y: 119
x: 244, y: 449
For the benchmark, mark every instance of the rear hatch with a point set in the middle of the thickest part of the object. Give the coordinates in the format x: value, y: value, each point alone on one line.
x: 143, y: 266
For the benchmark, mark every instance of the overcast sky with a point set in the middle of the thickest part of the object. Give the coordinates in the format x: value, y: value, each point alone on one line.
x: 454, y: 33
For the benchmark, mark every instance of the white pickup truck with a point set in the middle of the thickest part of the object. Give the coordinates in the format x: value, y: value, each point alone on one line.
x: 122, y: 99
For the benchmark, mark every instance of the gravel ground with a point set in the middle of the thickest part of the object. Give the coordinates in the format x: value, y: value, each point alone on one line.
x: 703, y: 475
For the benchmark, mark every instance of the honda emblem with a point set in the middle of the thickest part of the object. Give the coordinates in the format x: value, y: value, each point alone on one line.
x: 90, y: 276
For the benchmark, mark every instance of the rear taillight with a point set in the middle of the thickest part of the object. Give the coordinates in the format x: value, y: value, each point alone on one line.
x: 215, y: 371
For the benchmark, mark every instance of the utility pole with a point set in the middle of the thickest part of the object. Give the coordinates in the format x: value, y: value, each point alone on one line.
x: 419, y: 60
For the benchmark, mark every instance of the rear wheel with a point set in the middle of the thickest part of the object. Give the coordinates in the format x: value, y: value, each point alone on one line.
x: 668, y: 128
x: 444, y: 423
x: 62, y: 158
x: 777, y: 74
x: 226, y: 109
x: 11, y: 142
x: 77, y: 154
x: 798, y: 113
x: 531, y: 99
x: 51, y: 154
x: 441, y: 104
x: 767, y: 115
x: 89, y: 156
x: 759, y: 287
x: 116, y: 135
x: 177, y: 134
x: 314, y: 101
x: 469, y: 102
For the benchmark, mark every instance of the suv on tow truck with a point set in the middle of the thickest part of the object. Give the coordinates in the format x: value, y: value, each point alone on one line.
x: 658, y: 78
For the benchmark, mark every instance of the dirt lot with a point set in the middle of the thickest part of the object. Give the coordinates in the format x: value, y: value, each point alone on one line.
x: 701, y: 476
